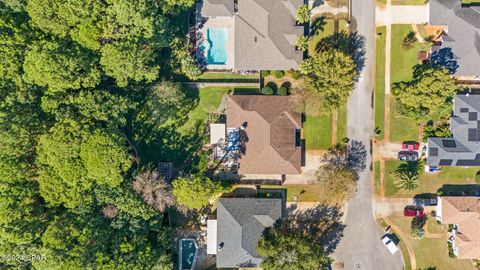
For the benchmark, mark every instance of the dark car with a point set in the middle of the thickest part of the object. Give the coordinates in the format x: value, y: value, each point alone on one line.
x: 408, y: 155
x: 411, y: 146
x: 409, y: 212
x: 424, y: 201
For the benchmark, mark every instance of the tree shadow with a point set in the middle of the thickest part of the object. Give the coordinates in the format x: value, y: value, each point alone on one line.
x: 460, y: 190
x: 154, y: 133
x: 321, y: 225
x: 317, y: 3
x: 351, y: 43
x: 444, y: 58
x: 317, y: 26
x: 357, y: 156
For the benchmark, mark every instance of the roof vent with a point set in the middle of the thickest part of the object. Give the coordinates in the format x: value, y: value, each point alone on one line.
x: 220, y: 246
x: 255, y: 39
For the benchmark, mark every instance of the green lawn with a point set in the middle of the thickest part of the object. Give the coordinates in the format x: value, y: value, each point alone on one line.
x: 409, y: 2
x: 328, y: 29
x: 227, y: 77
x: 434, y: 227
x: 305, y: 193
x: 317, y: 132
x: 382, y: 1
x: 380, y: 81
x: 209, y: 99
x: 342, y: 123
x: 429, y: 253
x: 403, y: 60
x: 429, y: 182
x: 376, y: 168
x: 401, y: 128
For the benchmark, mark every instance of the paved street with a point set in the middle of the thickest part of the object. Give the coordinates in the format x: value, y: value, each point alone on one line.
x: 361, y: 247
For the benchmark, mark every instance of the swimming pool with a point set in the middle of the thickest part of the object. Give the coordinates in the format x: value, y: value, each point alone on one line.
x: 216, y: 46
x: 187, y: 249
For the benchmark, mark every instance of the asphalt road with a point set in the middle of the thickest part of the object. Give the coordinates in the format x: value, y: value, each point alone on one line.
x: 361, y: 247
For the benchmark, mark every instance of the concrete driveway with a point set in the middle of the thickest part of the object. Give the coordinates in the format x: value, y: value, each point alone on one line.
x: 390, y: 14
x: 361, y: 246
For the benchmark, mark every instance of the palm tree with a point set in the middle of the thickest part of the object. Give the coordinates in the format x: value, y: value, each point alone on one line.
x: 409, y: 40
x: 407, y: 176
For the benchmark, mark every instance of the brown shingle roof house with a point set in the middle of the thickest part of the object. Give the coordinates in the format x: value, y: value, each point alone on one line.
x: 272, y: 129
x: 465, y: 213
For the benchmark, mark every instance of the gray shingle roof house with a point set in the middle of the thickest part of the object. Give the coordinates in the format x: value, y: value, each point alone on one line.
x: 462, y: 33
x: 464, y: 148
x: 240, y: 224
x: 265, y: 32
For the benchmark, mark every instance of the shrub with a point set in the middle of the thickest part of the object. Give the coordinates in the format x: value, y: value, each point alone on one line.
x: 296, y: 74
x: 287, y: 85
x: 282, y: 91
x: 265, y: 73
x: 267, y: 90
x: 279, y: 74
x: 273, y: 86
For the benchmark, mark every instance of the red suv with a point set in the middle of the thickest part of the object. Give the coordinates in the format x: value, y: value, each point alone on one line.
x: 411, y: 146
x: 412, y: 213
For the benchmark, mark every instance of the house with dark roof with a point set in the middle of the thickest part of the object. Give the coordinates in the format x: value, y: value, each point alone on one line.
x: 239, y: 226
x: 272, y: 130
x: 250, y: 34
x: 463, y: 149
x: 464, y: 214
x: 461, y: 38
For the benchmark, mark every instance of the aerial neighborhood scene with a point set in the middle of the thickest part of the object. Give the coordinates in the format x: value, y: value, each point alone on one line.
x: 240, y: 134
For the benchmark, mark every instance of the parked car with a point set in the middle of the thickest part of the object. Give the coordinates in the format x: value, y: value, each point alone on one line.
x: 424, y: 201
x: 411, y: 146
x: 387, y: 241
x: 409, y: 212
x: 407, y: 155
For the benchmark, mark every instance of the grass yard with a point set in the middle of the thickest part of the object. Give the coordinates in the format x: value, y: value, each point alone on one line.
x: 317, y: 132
x: 429, y: 182
x: 382, y: 1
x: 403, y: 60
x: 401, y: 128
x: 209, y: 98
x: 227, y: 77
x: 380, y: 81
x: 376, y: 175
x: 342, y: 123
x: 429, y: 253
x: 434, y: 227
x: 328, y: 29
x: 409, y: 2
x: 305, y: 193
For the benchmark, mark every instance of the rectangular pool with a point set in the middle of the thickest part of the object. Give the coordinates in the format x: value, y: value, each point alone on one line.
x: 215, y: 46
x: 187, y: 249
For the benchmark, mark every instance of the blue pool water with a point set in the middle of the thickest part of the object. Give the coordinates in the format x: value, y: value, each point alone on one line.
x: 217, y: 46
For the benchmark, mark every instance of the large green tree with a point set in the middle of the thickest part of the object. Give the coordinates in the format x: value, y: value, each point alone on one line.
x: 428, y: 96
x: 281, y: 251
x: 59, y: 66
x: 73, y: 159
x: 197, y: 191
x: 331, y: 75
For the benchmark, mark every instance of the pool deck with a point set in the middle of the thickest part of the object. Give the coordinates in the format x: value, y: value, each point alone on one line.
x: 220, y: 22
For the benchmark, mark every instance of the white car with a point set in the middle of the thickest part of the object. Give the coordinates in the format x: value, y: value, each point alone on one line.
x: 387, y: 241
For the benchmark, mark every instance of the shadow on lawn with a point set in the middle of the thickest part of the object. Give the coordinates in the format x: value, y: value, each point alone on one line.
x: 320, y: 225
x: 460, y: 190
x: 154, y: 132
